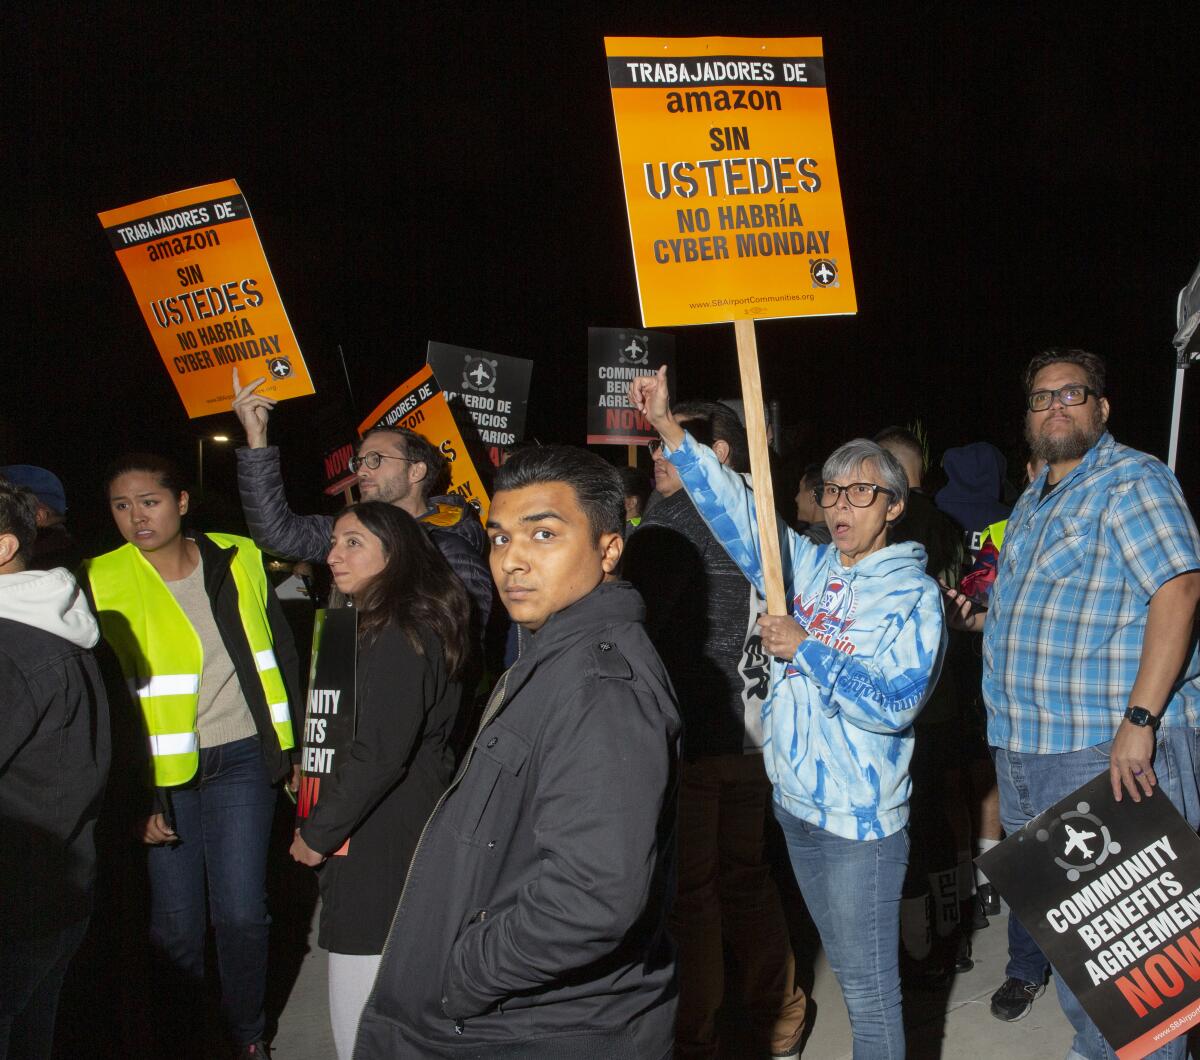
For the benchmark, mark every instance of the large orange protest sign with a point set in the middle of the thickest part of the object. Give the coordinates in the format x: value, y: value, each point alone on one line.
x: 419, y: 404
x: 202, y: 282
x: 735, y: 209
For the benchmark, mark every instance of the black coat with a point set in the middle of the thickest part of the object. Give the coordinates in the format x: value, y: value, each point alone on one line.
x: 533, y: 920
x: 54, y: 759
x: 383, y: 789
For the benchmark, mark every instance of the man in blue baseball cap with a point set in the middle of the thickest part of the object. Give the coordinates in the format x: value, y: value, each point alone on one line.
x: 55, y: 547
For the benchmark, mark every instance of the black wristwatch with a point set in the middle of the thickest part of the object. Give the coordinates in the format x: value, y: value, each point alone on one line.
x: 1141, y: 716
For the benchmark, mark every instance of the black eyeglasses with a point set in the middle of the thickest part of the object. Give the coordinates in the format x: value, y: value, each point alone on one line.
x: 654, y: 445
x: 1074, y: 394
x: 372, y: 460
x: 859, y: 494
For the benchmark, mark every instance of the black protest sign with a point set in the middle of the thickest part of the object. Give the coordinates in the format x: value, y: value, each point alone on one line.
x: 491, y: 388
x: 329, y: 720
x: 615, y: 356
x: 1111, y: 892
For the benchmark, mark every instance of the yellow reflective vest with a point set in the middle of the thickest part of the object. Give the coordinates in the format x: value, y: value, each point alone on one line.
x: 161, y: 655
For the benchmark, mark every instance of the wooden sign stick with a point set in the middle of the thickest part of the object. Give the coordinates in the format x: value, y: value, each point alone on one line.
x: 631, y: 456
x: 760, y: 466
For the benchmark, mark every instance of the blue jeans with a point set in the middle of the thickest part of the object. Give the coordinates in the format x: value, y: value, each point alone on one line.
x: 852, y: 890
x: 1031, y: 783
x: 1026, y: 961
x: 223, y: 820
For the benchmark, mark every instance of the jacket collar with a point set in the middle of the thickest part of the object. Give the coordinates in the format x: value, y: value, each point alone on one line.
x: 610, y: 603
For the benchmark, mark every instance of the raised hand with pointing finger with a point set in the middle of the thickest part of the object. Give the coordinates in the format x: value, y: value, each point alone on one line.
x: 651, y: 396
x: 253, y: 410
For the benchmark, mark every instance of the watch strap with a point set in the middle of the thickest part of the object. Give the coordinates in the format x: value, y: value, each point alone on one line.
x: 1141, y: 716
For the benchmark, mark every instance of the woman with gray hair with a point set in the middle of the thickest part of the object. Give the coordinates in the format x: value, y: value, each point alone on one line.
x: 851, y: 668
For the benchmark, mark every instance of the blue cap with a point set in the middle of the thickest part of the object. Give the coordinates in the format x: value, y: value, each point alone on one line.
x: 43, y: 484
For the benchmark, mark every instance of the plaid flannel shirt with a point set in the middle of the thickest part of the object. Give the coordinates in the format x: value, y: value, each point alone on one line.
x: 1063, y: 637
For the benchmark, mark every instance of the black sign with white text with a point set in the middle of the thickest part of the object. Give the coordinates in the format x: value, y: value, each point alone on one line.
x: 492, y: 389
x: 615, y: 356
x: 1111, y: 892
x: 329, y: 719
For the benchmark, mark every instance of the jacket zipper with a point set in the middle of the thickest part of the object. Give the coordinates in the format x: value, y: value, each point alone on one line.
x: 493, y: 708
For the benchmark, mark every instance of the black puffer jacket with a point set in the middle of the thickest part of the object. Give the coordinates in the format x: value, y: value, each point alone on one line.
x: 452, y: 524
x: 533, y: 920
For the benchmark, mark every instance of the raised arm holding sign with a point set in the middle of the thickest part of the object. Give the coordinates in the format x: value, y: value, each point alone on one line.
x: 650, y: 395
x: 735, y: 214
x: 849, y: 672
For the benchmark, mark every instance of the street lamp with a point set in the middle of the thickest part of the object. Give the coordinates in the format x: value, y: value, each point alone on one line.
x: 220, y: 438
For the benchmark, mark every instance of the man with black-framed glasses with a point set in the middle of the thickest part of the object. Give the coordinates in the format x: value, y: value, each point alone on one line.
x: 1089, y: 652
x: 393, y: 465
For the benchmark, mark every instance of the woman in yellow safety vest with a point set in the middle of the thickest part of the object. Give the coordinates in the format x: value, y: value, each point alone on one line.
x: 205, y: 651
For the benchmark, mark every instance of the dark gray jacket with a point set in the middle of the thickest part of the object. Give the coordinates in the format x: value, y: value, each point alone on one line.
x: 533, y: 920
x: 701, y: 615
x: 452, y: 524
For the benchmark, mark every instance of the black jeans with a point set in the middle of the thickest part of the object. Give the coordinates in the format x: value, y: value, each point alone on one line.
x: 31, y: 977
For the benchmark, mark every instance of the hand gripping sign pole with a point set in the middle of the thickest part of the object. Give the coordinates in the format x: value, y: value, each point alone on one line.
x: 735, y: 210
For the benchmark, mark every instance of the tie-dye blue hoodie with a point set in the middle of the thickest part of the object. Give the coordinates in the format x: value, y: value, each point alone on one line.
x: 837, y: 724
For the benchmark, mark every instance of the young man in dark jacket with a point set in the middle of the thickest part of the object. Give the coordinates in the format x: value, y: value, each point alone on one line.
x: 533, y: 920
x: 54, y: 759
x: 393, y: 465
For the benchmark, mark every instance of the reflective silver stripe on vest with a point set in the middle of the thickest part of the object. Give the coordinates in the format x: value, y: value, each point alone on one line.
x: 279, y: 712
x: 174, y: 743
x: 169, y: 685
x: 265, y: 660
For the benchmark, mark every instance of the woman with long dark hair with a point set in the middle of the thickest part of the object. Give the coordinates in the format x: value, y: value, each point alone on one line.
x: 204, y: 648
x: 414, y: 632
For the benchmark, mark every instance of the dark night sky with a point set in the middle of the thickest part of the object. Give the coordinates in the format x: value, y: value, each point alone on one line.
x: 1022, y: 177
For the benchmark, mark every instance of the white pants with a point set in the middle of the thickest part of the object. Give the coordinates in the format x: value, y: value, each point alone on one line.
x: 351, y: 977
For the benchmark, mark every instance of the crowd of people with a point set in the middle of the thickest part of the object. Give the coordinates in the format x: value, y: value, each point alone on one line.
x: 566, y: 856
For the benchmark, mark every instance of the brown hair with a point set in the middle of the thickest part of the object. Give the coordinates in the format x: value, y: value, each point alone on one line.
x: 416, y: 589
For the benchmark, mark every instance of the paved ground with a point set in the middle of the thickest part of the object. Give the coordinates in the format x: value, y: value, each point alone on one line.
x: 109, y: 1005
x: 945, y: 1025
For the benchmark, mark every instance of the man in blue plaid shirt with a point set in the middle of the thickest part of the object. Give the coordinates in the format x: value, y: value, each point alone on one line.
x: 1089, y: 652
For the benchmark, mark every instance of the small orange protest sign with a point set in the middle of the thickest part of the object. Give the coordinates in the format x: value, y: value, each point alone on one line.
x: 419, y: 404
x: 735, y: 209
x: 202, y: 282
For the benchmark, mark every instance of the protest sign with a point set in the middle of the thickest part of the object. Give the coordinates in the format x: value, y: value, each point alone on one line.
x: 615, y: 356
x: 730, y: 180
x: 205, y: 290
x: 336, y: 467
x: 734, y: 203
x: 329, y: 719
x: 419, y: 404
x: 492, y: 389
x: 1111, y: 893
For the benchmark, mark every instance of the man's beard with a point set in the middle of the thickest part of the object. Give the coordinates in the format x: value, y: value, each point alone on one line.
x: 1065, y: 447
